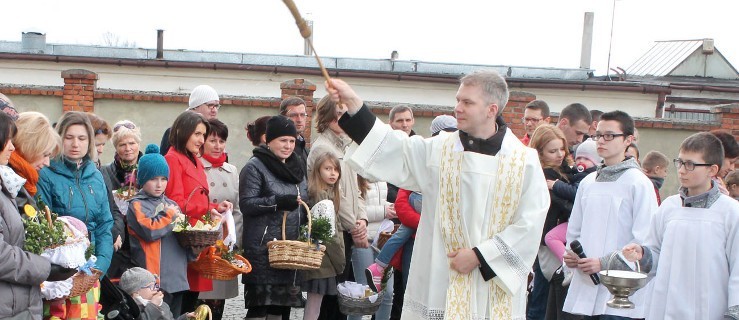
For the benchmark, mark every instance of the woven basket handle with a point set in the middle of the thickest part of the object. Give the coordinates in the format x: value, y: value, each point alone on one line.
x: 189, y: 197
x: 284, y: 219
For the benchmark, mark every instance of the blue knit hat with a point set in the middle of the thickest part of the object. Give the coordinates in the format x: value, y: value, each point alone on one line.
x: 151, y: 165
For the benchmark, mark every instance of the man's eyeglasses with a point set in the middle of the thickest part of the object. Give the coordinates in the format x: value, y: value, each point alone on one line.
x: 213, y: 106
x: 534, y: 120
x: 128, y: 125
x: 297, y: 115
x: 689, y: 165
x: 608, y: 136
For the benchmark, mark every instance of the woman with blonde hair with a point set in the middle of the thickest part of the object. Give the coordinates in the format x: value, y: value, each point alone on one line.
x: 551, y: 145
x: 35, y: 144
x: 119, y: 177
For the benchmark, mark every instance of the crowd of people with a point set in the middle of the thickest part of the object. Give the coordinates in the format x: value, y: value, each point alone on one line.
x: 500, y: 212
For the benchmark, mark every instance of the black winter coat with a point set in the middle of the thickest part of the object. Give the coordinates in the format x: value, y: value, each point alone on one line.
x: 559, y: 208
x: 258, y: 187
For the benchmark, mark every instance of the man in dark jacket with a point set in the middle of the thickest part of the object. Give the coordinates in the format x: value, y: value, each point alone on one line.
x: 294, y: 108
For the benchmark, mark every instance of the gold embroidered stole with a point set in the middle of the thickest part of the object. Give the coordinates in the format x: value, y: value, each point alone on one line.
x: 461, y: 300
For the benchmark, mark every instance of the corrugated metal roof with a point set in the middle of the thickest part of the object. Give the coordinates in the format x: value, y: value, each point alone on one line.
x: 663, y: 57
x: 401, y: 67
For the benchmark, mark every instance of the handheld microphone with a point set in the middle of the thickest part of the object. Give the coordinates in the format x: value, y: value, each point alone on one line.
x: 576, y: 247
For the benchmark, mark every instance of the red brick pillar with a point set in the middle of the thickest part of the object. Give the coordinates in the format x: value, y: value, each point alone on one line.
x: 302, y: 89
x: 79, y: 90
x: 513, y: 111
x: 728, y: 118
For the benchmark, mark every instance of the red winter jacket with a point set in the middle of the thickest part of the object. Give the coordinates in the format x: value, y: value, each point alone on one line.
x: 408, y: 217
x: 186, y: 178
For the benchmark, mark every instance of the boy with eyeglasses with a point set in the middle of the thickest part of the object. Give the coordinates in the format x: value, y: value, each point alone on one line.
x: 143, y: 288
x: 693, y: 244
x: 613, y: 206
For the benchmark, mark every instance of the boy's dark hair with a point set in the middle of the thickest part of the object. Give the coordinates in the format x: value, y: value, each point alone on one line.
x: 707, y: 144
x: 540, y: 105
x: 576, y: 112
x: 290, y: 102
x: 595, y: 115
x: 623, y: 118
x: 731, y: 147
x: 183, y: 127
x: 654, y: 159
x: 218, y: 128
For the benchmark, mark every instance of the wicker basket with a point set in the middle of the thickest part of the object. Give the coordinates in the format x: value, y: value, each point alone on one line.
x: 295, y: 255
x: 83, y: 282
x: 359, y: 307
x: 385, y: 236
x: 196, y: 239
x: 212, y: 266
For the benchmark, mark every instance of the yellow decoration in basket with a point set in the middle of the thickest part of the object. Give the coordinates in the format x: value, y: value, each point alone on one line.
x: 29, y: 210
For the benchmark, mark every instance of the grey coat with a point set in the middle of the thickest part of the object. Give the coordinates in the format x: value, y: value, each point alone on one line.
x: 21, y: 272
x: 263, y: 223
x: 223, y: 184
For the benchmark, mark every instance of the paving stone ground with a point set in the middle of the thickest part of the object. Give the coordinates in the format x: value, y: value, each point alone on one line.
x: 234, y: 309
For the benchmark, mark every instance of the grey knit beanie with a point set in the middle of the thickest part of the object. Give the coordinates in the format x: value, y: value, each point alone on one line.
x: 135, y: 278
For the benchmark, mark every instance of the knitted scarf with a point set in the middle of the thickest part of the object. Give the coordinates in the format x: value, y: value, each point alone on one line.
x: 25, y: 170
x: 216, y: 162
x: 289, y: 171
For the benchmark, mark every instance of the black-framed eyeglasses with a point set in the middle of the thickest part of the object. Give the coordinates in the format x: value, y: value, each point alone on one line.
x: 215, y: 106
x: 608, y: 136
x: 689, y: 165
x: 297, y: 115
x: 128, y: 125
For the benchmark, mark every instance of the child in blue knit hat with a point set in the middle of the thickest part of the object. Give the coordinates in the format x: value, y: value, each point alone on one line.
x: 150, y: 216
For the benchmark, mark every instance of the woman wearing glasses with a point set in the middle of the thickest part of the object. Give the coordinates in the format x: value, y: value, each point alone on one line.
x: 188, y: 186
x: 120, y: 178
x: 72, y: 186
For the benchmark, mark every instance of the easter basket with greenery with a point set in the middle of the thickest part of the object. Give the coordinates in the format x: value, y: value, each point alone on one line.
x: 219, y: 262
x: 306, y: 253
x: 203, y: 234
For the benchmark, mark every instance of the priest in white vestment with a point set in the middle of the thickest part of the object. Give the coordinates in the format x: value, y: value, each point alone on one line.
x: 484, y: 204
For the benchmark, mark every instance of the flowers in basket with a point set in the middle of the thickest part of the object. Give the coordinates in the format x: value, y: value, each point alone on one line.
x: 203, y: 234
x: 63, y: 241
x: 126, y: 192
x: 182, y: 223
x: 42, y: 234
x: 221, y: 262
x: 322, y: 227
x: 229, y: 254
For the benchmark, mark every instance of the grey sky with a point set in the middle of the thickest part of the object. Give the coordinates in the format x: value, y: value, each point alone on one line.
x: 523, y: 33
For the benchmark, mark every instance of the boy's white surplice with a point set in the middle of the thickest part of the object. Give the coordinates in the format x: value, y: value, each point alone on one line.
x: 607, y: 216
x: 495, y: 203
x: 696, y: 252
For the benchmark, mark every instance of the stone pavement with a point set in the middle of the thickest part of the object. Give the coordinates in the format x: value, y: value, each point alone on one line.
x: 235, y: 310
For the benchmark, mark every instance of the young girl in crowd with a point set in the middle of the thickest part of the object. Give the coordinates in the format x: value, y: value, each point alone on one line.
x: 551, y: 145
x: 323, y: 185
